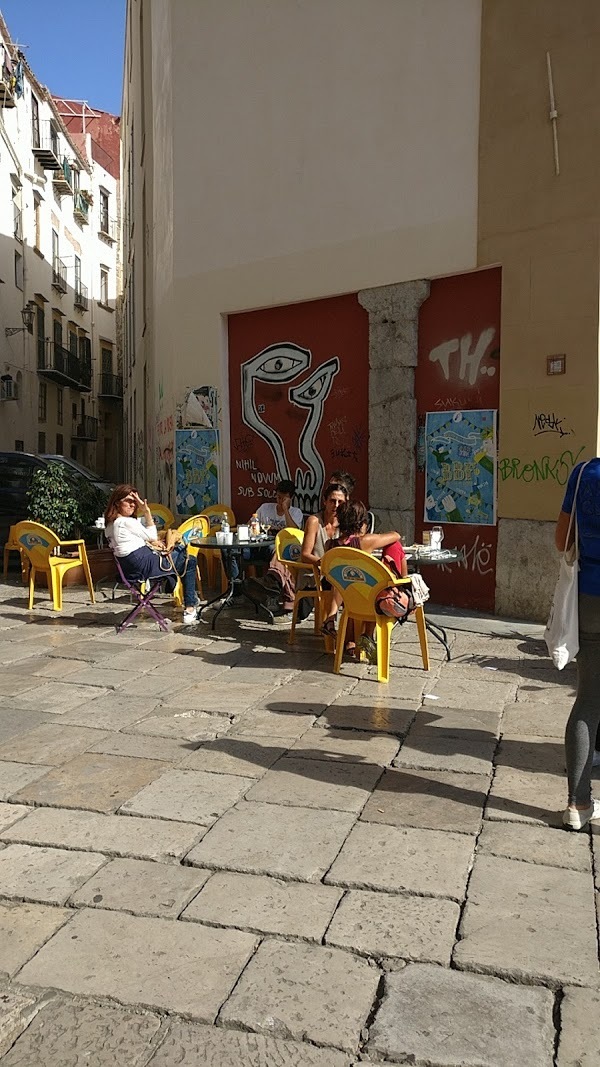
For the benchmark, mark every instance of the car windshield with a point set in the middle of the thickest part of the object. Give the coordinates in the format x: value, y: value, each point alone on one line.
x: 87, y: 473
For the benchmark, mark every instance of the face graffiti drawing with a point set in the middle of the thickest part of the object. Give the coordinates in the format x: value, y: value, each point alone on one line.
x: 283, y: 363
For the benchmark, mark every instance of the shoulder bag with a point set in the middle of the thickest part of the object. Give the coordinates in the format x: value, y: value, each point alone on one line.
x: 562, y: 629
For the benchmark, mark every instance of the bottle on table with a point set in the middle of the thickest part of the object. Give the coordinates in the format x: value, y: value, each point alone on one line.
x: 225, y: 528
x: 254, y: 526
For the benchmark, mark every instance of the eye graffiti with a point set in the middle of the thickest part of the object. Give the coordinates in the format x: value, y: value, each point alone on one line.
x: 281, y: 363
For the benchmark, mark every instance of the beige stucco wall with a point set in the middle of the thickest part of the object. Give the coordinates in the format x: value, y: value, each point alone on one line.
x: 544, y: 229
x: 311, y: 148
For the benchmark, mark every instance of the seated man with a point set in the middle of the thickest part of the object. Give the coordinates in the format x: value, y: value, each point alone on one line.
x: 278, y: 582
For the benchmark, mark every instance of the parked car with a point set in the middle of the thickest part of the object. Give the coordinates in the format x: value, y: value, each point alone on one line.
x: 17, y: 470
x: 103, y: 486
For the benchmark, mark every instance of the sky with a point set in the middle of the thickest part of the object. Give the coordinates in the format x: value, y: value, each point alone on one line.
x: 75, y: 47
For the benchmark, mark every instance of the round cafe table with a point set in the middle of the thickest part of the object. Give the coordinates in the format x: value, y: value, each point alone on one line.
x: 236, y: 587
x: 423, y: 555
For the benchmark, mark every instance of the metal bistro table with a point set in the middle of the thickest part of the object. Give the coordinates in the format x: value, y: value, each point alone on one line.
x: 419, y: 555
x: 235, y: 586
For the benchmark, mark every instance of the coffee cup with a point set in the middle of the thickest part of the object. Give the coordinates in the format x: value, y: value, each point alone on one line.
x: 220, y: 536
x: 437, y: 536
x: 243, y: 533
x: 228, y: 538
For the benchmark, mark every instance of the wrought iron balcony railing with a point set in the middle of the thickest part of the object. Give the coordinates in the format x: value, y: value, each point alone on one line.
x: 86, y: 428
x: 111, y: 387
x: 81, y: 207
x: 81, y: 298
x: 59, y: 275
x: 63, y: 178
x: 58, y: 364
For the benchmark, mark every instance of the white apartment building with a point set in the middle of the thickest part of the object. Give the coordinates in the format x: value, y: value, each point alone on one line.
x: 60, y: 369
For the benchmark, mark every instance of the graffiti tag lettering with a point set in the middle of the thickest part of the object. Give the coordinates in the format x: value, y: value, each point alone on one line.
x: 337, y: 429
x: 549, y: 423
x: 470, y: 357
x: 477, y: 558
x: 556, y: 469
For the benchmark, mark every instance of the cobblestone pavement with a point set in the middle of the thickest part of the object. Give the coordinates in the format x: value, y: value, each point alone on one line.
x: 213, y: 851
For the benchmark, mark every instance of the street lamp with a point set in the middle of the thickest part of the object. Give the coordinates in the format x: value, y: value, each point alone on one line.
x: 27, y: 314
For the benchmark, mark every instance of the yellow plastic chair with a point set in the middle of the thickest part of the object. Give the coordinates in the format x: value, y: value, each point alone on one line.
x: 359, y: 578
x: 12, y: 545
x: 213, y: 560
x: 197, y: 526
x: 41, y: 545
x: 288, y: 549
x: 162, y: 517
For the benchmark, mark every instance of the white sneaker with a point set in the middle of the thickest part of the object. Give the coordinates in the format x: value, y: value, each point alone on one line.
x: 190, y: 616
x: 596, y: 759
x: 575, y: 819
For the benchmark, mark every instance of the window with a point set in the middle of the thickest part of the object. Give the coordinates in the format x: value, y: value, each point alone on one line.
x: 42, y: 401
x: 59, y: 444
x: 35, y: 122
x: 41, y: 442
x: 104, y: 285
x: 41, y: 337
x: 19, y: 446
x: 104, y: 211
x: 76, y: 179
x: 59, y: 407
x: 18, y: 270
x: 107, y: 360
x: 38, y: 220
x: 77, y: 262
x: 57, y: 331
x: 72, y: 342
x: 17, y: 215
x: 55, y: 246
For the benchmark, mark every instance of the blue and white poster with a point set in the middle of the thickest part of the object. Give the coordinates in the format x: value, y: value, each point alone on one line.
x: 460, y: 467
x: 196, y: 470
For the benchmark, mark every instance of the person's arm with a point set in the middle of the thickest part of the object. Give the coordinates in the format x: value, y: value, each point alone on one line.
x: 310, y: 536
x: 289, y: 518
x: 137, y: 528
x: 560, y: 533
x: 369, y: 542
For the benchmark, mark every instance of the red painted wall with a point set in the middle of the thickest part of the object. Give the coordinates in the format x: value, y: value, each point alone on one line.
x: 306, y: 405
x: 464, y: 308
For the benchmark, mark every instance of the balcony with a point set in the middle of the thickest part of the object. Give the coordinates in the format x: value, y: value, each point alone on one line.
x: 111, y: 387
x: 81, y: 207
x: 109, y: 229
x: 59, y: 275
x: 63, y: 178
x: 45, y: 146
x: 7, y: 91
x: 86, y: 428
x: 18, y: 220
x: 81, y: 299
x: 58, y: 364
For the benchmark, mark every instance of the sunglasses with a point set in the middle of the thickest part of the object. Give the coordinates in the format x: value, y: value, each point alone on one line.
x: 127, y: 500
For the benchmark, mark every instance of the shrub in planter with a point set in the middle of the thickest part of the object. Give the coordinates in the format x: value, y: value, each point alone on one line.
x: 65, y: 504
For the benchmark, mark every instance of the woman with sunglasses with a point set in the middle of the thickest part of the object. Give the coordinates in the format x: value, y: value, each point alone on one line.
x: 135, y: 543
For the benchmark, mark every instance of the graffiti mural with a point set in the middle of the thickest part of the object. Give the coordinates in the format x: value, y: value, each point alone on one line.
x: 458, y: 372
x: 196, y: 470
x: 298, y: 408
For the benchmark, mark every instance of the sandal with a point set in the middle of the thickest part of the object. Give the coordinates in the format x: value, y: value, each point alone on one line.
x: 328, y: 628
x: 350, y: 650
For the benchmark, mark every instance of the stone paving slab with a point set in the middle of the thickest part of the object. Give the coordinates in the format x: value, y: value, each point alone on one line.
x: 91, y: 650
x: 24, y: 928
x: 433, y: 800
x: 432, y: 1017
x: 270, y: 839
x: 369, y: 717
x: 579, y: 1043
x: 13, y: 682
x: 536, y: 720
x: 435, y: 750
x: 403, y: 685
x: 211, y: 697
x: 58, y: 669
x: 16, y: 1012
x: 141, y: 746
x: 56, y: 698
x: 395, y: 859
x: 16, y: 776
x: 151, y: 685
x: 254, y: 675
x: 14, y: 722
x: 153, y: 839
x: 304, y: 991
x: 142, y: 888
x: 11, y: 813
x: 346, y: 746
x: 189, y: 796
x: 465, y: 694
x: 236, y: 755
x: 392, y: 926
x: 205, y: 1046
x: 546, y: 691
x: 50, y: 744
x: 102, y: 675
x: 265, y: 905
x: 313, y: 783
x: 529, y: 922
x: 47, y: 875
x: 520, y: 796
x: 279, y: 724
x: 183, y: 723
x: 138, y: 661
x: 92, y: 781
x: 157, y: 963
x: 534, y: 754
x: 473, y: 724
x: 70, y: 1033
x: 111, y: 712
x: 536, y: 844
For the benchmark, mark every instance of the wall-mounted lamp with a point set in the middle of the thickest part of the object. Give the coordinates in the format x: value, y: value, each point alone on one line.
x: 27, y: 314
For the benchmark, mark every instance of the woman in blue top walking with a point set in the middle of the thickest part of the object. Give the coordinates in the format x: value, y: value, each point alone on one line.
x: 582, y: 732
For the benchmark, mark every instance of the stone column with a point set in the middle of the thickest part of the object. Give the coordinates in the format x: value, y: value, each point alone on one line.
x: 393, y: 336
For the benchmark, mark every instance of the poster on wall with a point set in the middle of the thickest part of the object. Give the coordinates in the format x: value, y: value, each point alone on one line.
x: 201, y: 407
x: 460, y: 467
x: 196, y: 470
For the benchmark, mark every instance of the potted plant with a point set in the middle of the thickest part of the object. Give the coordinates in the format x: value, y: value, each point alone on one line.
x: 69, y: 505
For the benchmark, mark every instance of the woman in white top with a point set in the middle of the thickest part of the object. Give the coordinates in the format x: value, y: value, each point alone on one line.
x: 132, y: 542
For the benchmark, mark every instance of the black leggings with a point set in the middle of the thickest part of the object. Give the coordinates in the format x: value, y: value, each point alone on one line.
x: 583, y: 731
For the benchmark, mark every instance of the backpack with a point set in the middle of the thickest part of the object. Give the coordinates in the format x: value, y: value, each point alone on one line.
x: 396, y: 601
